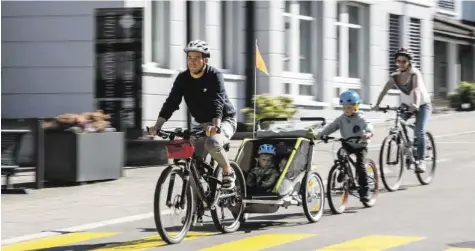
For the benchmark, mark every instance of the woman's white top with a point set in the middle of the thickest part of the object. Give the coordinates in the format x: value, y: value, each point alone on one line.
x: 407, y: 90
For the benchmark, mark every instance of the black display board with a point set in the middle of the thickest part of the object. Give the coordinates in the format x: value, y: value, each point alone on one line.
x: 119, y: 43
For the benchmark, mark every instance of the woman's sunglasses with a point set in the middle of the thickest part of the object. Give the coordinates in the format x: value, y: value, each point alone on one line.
x: 401, y: 61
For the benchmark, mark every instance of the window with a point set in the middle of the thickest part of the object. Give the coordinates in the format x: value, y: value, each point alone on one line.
x: 305, y: 90
x: 394, y: 40
x: 449, y: 7
x: 415, y: 41
x: 287, y: 88
x: 446, y: 5
x: 160, y: 30
x: 350, y: 40
x: 230, y: 38
x: 198, y: 17
x: 299, y: 24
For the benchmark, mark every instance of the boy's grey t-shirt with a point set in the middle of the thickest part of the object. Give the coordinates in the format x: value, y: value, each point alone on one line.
x: 350, y: 126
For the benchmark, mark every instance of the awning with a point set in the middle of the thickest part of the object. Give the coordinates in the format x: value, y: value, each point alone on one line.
x: 452, y: 28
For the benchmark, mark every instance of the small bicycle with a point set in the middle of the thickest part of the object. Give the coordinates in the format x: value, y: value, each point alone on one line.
x: 344, y: 172
x: 186, y: 165
x: 405, y: 152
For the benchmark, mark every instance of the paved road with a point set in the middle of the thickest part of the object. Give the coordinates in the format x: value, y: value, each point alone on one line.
x: 435, y: 217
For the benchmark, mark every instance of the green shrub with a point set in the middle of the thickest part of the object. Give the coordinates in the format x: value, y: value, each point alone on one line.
x: 464, y: 94
x: 270, y: 107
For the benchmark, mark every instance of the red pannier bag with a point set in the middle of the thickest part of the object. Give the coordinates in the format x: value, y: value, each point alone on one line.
x: 180, y: 149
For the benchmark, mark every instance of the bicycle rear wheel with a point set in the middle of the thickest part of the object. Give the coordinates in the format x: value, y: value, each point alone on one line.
x: 426, y: 177
x: 161, y: 208
x: 235, y: 204
x: 338, y: 192
x: 391, y: 163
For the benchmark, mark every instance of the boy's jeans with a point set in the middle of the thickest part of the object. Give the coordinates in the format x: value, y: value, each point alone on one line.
x: 361, y: 155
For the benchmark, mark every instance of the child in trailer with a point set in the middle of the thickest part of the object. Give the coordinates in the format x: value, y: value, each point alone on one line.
x: 265, y: 174
x: 352, y: 123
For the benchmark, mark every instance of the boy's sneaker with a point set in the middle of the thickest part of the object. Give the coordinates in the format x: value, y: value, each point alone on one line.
x: 420, y: 166
x: 228, y: 181
x: 364, y: 195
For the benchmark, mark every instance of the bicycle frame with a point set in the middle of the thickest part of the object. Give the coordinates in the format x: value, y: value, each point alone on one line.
x: 345, y: 162
x: 198, y: 168
x: 400, y: 127
x: 400, y: 130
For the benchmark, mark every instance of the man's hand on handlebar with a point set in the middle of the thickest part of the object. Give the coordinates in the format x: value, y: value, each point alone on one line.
x: 152, y: 131
x: 212, y: 130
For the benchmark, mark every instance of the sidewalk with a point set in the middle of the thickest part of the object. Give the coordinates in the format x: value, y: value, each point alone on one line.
x: 55, y: 208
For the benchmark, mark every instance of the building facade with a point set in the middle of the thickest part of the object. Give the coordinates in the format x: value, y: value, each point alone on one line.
x: 454, y: 45
x: 313, y: 51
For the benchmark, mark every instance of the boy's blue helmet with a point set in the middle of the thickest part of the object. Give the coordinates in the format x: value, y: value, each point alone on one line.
x: 349, y: 98
x: 267, y: 149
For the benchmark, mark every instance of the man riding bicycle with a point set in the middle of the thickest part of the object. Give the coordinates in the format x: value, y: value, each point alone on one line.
x: 202, y: 87
x: 414, y: 95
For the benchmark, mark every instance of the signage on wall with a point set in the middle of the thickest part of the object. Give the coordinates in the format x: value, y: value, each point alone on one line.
x: 118, y: 81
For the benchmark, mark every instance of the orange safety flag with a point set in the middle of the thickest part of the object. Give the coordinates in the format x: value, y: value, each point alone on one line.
x: 260, y: 65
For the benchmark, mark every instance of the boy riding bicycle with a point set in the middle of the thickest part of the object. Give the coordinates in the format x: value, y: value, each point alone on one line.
x: 352, y: 123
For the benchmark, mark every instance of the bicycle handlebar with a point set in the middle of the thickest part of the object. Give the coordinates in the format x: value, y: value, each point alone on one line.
x: 325, y: 138
x: 185, y: 134
x: 393, y: 108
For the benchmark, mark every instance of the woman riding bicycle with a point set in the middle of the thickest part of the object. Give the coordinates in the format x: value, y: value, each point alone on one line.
x: 414, y: 95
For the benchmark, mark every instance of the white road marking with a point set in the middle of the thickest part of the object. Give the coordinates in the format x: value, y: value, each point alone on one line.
x: 78, y: 228
x: 454, y: 134
x: 452, y: 142
x: 378, y: 146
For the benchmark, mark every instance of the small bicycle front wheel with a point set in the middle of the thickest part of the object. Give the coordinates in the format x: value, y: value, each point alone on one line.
x: 426, y: 177
x: 314, y: 188
x: 165, y: 203
x: 340, y: 193
x: 391, y: 163
x: 373, y: 183
x: 235, y: 203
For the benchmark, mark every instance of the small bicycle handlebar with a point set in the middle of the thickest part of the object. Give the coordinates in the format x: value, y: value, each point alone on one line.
x: 326, y: 138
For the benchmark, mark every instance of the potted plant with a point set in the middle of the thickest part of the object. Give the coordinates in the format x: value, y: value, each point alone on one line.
x: 463, y: 99
x: 82, y: 147
x: 268, y: 106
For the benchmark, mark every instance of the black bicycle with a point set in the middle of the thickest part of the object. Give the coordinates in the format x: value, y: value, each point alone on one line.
x: 344, y: 172
x: 186, y: 165
x: 401, y: 150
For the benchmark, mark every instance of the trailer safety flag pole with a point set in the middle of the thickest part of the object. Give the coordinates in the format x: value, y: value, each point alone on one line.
x: 261, y: 66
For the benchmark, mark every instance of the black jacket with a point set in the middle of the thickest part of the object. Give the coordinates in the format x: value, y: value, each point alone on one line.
x: 205, y: 97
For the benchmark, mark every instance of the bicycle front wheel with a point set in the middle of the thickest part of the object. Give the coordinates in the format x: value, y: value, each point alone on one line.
x: 373, y: 183
x: 231, y: 207
x: 391, y: 163
x: 166, y: 204
x: 430, y: 157
x: 337, y: 192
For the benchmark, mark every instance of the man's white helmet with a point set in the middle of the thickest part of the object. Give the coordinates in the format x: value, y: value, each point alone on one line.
x: 198, y: 46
